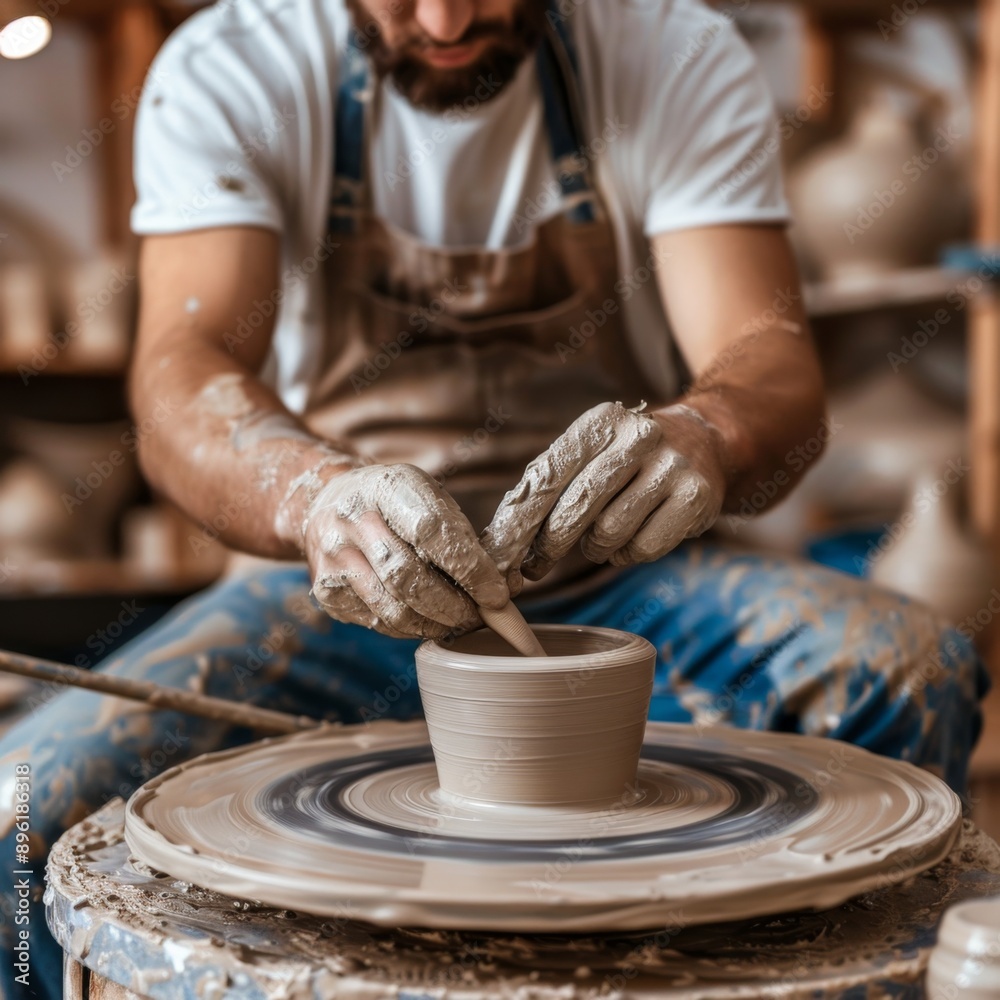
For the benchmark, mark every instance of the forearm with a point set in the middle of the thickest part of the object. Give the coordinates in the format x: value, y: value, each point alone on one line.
x: 764, y: 396
x: 217, y: 435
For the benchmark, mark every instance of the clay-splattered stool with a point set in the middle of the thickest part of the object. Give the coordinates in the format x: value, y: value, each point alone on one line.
x: 128, y: 930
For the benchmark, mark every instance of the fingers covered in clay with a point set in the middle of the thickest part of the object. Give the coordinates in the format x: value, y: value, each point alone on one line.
x: 391, y: 550
x: 589, y: 493
x: 626, y: 486
x: 525, y: 509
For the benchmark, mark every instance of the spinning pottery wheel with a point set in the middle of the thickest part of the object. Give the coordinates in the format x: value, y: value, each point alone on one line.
x: 144, y: 932
x: 719, y: 825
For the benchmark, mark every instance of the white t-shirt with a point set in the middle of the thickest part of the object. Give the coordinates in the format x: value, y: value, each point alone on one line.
x: 235, y: 127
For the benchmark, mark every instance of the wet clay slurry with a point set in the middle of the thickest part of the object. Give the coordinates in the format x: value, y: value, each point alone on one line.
x: 563, y: 729
x: 719, y: 824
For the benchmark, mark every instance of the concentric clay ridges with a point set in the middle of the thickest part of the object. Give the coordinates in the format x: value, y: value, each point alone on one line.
x: 570, y: 647
x: 553, y: 730
x: 315, y: 822
x: 116, y: 915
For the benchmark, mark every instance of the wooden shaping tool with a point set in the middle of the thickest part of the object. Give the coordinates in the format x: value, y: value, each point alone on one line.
x: 156, y: 695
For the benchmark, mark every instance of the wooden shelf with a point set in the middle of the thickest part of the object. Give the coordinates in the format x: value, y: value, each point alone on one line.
x: 72, y: 368
x: 911, y: 287
x: 86, y: 577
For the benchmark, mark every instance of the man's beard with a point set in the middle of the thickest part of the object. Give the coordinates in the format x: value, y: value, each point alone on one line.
x: 436, y: 89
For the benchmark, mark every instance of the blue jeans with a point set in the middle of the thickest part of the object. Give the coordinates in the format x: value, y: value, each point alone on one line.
x: 744, y: 640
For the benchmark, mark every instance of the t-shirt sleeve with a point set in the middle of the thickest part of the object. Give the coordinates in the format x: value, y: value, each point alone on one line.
x: 713, y: 148
x: 202, y: 152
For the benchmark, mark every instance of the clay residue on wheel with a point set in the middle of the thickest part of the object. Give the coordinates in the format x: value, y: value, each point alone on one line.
x: 131, y: 922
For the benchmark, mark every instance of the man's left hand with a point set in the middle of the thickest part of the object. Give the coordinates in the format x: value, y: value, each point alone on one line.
x: 628, y: 485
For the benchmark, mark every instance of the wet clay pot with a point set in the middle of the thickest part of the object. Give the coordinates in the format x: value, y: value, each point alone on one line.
x: 565, y: 729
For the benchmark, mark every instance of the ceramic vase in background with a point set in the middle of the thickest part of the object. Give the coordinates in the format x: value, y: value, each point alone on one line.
x: 33, y: 522
x: 97, y: 471
x: 26, y: 314
x: 100, y: 299
x: 934, y: 556
x: 873, y: 202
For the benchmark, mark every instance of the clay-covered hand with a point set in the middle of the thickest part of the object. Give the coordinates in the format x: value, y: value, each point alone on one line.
x: 390, y: 549
x: 628, y: 485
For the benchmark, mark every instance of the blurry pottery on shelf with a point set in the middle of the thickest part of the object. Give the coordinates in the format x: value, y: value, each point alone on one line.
x: 877, y: 200
x: 97, y: 471
x: 883, y: 434
x: 100, y: 300
x: 34, y: 524
x: 886, y: 432
x: 159, y: 543
x: 26, y: 316
x: 931, y: 555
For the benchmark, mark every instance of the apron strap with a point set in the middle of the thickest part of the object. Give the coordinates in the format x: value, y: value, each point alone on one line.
x: 347, y: 195
x: 558, y: 80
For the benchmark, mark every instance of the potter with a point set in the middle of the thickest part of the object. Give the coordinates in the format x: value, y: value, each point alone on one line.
x: 262, y: 144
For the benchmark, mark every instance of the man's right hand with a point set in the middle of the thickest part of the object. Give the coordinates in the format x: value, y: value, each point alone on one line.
x: 390, y: 549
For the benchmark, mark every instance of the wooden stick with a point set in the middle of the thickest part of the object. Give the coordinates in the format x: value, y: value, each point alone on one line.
x: 509, y: 624
x: 984, y: 329
x: 156, y: 695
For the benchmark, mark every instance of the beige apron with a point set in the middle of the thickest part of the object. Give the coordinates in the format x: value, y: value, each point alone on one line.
x: 468, y: 364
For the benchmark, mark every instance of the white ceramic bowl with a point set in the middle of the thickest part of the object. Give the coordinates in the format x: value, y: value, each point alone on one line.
x: 561, y: 730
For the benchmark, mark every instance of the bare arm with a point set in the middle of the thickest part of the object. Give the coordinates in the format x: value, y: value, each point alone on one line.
x: 735, y: 303
x: 384, y: 543
x: 629, y: 486
x: 225, y: 433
